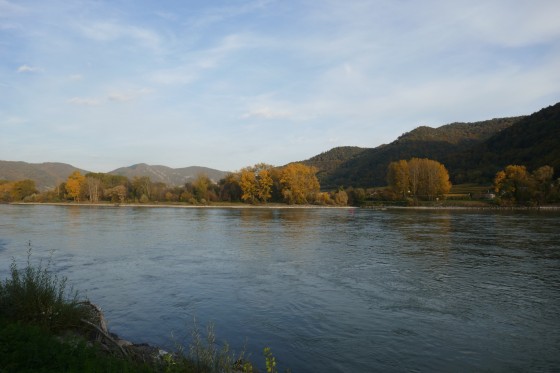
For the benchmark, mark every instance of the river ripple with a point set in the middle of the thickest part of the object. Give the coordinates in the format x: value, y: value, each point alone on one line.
x: 328, y: 290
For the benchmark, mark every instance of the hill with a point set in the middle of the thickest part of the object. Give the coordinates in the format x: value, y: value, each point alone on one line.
x: 168, y: 175
x: 533, y: 141
x: 327, y: 162
x: 368, y: 167
x: 46, y: 175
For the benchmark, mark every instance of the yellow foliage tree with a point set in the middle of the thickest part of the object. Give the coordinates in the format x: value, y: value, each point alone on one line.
x: 256, y: 183
x: 299, y: 183
x: 74, y: 185
x: 513, y: 183
x: 398, y: 177
x: 422, y: 177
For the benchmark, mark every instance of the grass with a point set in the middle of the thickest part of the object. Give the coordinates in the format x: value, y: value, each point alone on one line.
x: 46, y: 327
x: 30, y: 348
x: 37, y: 296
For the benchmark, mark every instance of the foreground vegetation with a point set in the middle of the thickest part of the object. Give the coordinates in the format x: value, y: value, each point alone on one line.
x: 44, y: 326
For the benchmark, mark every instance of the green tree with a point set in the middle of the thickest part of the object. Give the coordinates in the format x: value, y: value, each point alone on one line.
x: 201, y: 187
x: 23, y: 188
x: 543, y: 183
x: 229, y: 188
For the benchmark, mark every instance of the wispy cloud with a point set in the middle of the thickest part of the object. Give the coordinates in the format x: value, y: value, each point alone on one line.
x: 199, y: 61
x: 106, y: 31
x: 28, y: 69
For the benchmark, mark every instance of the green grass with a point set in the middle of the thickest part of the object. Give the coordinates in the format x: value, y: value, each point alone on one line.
x: 31, y: 348
x: 470, y: 188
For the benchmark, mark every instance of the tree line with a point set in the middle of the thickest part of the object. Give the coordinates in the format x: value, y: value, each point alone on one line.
x: 515, y: 185
x: 259, y: 184
x: 411, y: 181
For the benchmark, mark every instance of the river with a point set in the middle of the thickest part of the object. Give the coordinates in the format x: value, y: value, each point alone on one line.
x: 328, y: 290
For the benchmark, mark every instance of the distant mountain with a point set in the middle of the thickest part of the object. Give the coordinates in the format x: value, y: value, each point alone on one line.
x: 46, y: 175
x: 368, y: 167
x: 49, y: 175
x: 167, y: 175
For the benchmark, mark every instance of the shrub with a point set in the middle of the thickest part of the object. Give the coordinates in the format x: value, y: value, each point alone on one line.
x: 38, y: 296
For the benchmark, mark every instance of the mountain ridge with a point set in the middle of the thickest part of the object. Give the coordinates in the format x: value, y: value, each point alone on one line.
x: 48, y: 175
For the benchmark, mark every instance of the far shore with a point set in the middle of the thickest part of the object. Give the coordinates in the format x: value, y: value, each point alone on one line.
x: 284, y: 206
x: 171, y: 205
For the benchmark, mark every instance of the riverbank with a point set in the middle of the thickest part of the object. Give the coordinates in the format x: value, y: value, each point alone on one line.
x: 186, y: 206
x: 295, y: 207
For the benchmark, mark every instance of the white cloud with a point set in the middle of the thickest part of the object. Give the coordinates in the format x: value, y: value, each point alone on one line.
x: 28, y: 69
x: 76, y: 77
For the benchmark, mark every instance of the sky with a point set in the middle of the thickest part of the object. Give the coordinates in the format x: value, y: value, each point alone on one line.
x: 228, y: 84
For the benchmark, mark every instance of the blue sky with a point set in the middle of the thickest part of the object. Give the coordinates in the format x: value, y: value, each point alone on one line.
x: 227, y: 84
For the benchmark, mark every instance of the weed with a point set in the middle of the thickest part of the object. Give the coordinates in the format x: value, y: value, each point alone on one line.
x: 38, y: 296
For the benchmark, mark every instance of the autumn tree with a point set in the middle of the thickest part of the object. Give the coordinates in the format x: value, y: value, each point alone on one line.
x: 17, y: 190
x: 117, y: 193
x: 299, y: 183
x: 74, y: 185
x: 513, y: 183
x: 398, y: 177
x: 422, y: 177
x: 256, y: 183
x: 341, y: 198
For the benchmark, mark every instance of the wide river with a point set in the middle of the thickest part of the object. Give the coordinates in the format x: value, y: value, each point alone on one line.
x: 329, y: 290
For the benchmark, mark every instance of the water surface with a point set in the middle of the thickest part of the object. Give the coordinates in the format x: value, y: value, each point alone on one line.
x: 328, y: 290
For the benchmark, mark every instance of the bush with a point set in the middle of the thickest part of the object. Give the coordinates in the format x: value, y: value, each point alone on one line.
x: 36, y: 295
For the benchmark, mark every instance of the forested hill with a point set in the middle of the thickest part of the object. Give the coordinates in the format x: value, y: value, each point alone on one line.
x: 368, y: 167
x: 168, y: 175
x: 533, y: 141
x: 327, y: 162
x: 46, y: 175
